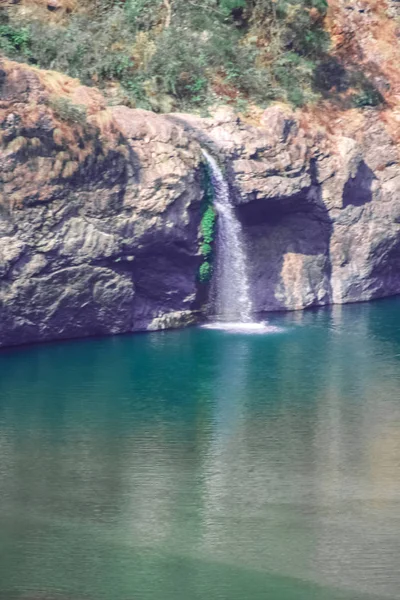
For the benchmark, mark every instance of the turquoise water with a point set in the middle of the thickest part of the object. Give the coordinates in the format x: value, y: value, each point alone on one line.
x: 200, y: 464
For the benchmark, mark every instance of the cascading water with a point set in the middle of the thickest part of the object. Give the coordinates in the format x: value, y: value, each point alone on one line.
x: 230, y: 285
x: 230, y: 281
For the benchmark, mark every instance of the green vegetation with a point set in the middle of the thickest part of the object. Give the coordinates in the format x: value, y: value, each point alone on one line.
x: 367, y: 94
x: 68, y: 111
x: 207, y: 228
x: 205, y: 272
x: 170, y: 55
x: 367, y: 97
x: 15, y: 41
x: 331, y: 78
x: 176, y: 54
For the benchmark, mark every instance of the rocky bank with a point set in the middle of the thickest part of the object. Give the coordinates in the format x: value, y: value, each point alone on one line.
x: 100, y: 208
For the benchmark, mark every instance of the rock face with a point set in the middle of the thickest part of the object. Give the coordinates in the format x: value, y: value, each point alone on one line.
x: 98, y: 229
x: 321, y: 209
x: 100, y: 209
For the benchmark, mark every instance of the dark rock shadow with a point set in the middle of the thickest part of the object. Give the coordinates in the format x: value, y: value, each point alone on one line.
x: 166, y: 264
x: 298, y: 225
x: 358, y: 189
x: 385, y: 273
x: 347, y: 86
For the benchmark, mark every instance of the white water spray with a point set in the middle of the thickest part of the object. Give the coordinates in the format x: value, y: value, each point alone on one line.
x: 230, y: 281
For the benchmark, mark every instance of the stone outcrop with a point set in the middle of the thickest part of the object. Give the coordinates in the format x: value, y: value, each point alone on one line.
x: 320, y: 206
x: 100, y: 208
x: 98, y: 220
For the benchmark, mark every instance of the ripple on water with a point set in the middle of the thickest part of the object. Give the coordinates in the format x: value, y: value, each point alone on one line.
x: 248, y: 328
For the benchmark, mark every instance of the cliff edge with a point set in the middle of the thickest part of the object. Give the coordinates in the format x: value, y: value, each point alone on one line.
x: 101, y: 206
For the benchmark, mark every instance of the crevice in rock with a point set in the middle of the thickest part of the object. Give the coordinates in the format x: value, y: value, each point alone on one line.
x: 288, y: 242
x: 358, y: 189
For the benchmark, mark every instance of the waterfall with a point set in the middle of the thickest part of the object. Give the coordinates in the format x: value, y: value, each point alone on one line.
x: 230, y: 285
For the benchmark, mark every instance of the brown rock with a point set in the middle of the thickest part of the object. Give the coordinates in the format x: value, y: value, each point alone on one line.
x: 54, y: 5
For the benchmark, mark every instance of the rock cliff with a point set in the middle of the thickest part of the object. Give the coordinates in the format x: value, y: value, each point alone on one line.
x: 100, y: 208
x: 98, y: 220
x: 320, y: 205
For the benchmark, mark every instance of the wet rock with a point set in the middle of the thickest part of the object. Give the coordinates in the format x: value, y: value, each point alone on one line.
x: 320, y: 211
x: 99, y: 219
x: 173, y: 320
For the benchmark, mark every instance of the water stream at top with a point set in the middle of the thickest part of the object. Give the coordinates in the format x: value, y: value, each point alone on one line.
x: 231, y: 289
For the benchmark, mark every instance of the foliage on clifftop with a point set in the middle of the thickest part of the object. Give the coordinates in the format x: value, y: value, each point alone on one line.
x: 168, y: 55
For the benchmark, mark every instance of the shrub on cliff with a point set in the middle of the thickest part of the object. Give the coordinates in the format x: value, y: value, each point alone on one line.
x: 14, y: 41
x: 175, y: 54
x: 67, y: 110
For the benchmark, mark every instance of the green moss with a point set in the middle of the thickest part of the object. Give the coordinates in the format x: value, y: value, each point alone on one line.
x: 206, y: 249
x: 207, y: 228
x: 207, y: 225
x: 205, y: 272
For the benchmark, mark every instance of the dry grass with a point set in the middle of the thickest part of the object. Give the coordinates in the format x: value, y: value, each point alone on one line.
x: 55, y: 83
x: 17, y: 144
x: 144, y: 49
x: 67, y: 5
x: 58, y: 136
x: 68, y: 148
x: 367, y: 40
x: 103, y: 121
x: 70, y: 169
x: 38, y: 9
x: 223, y: 89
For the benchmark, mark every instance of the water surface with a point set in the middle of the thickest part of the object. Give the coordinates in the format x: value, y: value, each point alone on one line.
x: 204, y: 465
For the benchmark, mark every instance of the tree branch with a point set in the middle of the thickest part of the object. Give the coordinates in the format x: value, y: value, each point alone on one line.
x: 167, y: 4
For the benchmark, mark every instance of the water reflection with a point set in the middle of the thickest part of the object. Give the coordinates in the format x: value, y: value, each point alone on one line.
x: 198, y: 464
